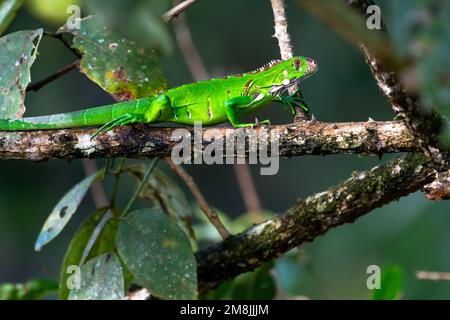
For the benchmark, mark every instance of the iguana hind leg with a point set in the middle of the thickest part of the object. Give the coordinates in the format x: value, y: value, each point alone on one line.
x: 122, y: 120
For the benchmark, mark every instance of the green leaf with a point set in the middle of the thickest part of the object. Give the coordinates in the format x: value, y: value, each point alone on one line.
x: 32, y: 290
x: 144, y: 22
x: 166, y: 195
x: 391, y: 284
x: 64, y: 210
x: 8, y: 11
x: 17, y: 54
x: 106, y: 242
x: 158, y: 254
x: 101, y: 279
x: 119, y: 66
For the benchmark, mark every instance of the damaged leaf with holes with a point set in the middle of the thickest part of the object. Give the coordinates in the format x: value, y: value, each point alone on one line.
x: 104, y: 243
x: 99, y: 279
x: 118, y: 65
x: 17, y: 54
x: 158, y: 254
x: 64, y: 210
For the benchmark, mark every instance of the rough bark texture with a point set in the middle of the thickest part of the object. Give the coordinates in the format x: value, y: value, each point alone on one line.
x: 426, y: 125
x: 439, y: 189
x: 312, y: 217
x: 144, y: 142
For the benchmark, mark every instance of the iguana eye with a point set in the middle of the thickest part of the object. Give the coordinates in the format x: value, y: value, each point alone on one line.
x: 297, y: 64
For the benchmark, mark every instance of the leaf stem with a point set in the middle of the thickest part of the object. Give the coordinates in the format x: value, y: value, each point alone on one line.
x: 141, y: 185
x: 116, y: 182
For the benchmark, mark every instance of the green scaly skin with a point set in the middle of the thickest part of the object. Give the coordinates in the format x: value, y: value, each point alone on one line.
x: 209, y: 102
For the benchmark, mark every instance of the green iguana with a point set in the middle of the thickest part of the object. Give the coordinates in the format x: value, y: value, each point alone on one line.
x: 209, y: 102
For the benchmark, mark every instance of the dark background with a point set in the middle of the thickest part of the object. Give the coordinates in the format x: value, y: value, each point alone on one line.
x: 234, y: 36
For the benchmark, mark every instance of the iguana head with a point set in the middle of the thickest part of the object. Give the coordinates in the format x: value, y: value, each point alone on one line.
x: 290, y: 72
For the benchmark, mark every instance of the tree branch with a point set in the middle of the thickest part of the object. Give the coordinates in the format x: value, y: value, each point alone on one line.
x: 212, y: 215
x: 424, y: 124
x: 312, y: 217
x: 281, y: 33
x: 144, y: 142
x: 38, y: 85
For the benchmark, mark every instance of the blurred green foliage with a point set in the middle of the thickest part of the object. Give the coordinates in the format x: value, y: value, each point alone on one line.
x: 391, y: 284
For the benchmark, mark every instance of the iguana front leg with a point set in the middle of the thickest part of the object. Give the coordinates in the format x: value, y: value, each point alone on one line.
x: 234, y: 107
x: 293, y: 100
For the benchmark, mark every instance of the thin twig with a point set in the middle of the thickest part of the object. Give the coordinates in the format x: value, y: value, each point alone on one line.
x: 117, y: 175
x: 281, y: 33
x: 60, y: 37
x: 175, y: 11
x: 199, y: 72
x: 38, y: 85
x: 432, y: 275
x: 140, y: 186
x: 189, y: 50
x: 248, y: 191
x: 284, y: 42
x: 97, y: 191
x: 209, y: 212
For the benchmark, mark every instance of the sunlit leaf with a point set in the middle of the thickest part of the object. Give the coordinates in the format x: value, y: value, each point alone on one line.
x: 391, y: 284
x: 119, y: 66
x: 53, y: 11
x: 17, y: 54
x: 64, y: 210
x: 106, y: 242
x: 32, y: 290
x: 101, y: 279
x: 8, y: 10
x: 158, y: 254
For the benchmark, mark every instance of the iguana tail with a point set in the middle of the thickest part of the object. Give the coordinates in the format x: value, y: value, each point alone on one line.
x: 83, y: 118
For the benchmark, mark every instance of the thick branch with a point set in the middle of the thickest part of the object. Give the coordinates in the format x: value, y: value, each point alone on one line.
x: 143, y: 141
x: 312, y: 217
x: 439, y: 189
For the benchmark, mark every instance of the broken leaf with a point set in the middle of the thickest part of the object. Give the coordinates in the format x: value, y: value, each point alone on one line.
x: 64, y: 210
x: 105, y: 243
x: 100, y: 279
x: 17, y: 54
